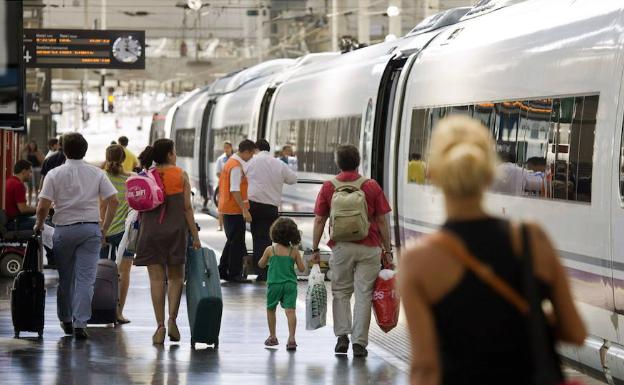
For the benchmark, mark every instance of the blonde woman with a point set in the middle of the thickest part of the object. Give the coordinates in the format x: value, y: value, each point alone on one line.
x: 115, y: 156
x: 463, y: 331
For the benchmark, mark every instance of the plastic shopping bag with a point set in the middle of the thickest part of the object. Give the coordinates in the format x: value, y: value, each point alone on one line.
x: 131, y: 234
x: 386, y: 302
x: 316, y: 299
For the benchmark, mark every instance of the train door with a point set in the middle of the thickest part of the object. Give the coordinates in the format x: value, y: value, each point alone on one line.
x: 204, y: 160
x: 263, y: 117
x: 380, y: 150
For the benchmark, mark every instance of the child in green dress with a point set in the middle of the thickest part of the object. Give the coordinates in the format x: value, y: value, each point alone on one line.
x: 281, y: 258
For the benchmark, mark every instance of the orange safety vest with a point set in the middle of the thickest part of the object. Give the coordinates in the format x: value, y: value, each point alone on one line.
x: 227, y: 204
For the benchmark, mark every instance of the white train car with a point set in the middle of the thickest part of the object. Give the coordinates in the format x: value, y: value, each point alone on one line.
x: 204, y: 119
x: 559, y: 62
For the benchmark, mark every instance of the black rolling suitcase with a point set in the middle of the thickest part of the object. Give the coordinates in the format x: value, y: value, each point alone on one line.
x: 28, y: 293
x: 106, y: 291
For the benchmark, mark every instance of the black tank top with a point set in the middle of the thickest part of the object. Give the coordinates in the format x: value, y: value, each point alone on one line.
x: 482, y: 337
x: 32, y: 158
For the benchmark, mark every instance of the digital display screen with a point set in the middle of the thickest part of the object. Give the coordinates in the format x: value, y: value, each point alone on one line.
x: 76, y: 48
x: 11, y: 66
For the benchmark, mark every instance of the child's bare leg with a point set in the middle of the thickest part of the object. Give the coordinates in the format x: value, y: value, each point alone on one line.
x: 292, y: 324
x: 272, y: 322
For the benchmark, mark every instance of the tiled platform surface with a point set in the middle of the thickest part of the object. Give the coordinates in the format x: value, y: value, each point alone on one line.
x: 125, y: 355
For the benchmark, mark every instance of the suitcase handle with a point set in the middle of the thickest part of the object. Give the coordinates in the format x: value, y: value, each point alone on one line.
x: 206, y: 270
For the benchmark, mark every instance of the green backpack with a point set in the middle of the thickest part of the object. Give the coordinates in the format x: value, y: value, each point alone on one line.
x: 348, y: 217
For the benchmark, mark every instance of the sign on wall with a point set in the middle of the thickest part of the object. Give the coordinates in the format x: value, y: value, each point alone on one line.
x: 76, y: 48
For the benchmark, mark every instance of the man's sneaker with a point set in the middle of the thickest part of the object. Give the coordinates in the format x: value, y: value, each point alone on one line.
x: 68, y: 328
x: 342, y: 346
x: 80, y: 333
x: 359, y: 351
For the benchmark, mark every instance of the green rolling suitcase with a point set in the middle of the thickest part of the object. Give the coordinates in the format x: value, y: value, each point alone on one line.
x: 203, y: 296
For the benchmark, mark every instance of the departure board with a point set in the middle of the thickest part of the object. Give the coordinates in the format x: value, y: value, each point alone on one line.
x: 76, y: 48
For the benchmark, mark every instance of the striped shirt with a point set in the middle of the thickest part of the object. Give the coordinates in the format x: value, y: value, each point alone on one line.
x: 119, y: 221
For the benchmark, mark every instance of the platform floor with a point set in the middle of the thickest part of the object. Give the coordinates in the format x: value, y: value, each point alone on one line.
x: 125, y: 355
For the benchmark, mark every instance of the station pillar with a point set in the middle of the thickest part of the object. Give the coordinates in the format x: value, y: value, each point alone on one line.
x: 337, y: 22
x: 9, y: 145
x: 363, y: 21
x: 395, y: 26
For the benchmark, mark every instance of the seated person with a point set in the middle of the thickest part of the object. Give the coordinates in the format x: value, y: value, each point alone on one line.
x: 19, y: 213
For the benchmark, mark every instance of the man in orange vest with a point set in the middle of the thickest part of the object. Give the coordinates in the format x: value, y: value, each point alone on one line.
x: 234, y: 206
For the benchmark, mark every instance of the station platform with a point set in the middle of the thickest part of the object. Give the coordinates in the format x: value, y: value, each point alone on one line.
x: 125, y: 354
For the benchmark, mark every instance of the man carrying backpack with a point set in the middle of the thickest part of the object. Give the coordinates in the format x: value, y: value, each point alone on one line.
x: 360, y: 238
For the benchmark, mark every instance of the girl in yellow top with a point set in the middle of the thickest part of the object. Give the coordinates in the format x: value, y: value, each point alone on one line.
x: 281, y: 258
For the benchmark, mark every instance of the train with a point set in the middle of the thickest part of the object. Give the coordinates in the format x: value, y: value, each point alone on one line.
x: 545, y: 76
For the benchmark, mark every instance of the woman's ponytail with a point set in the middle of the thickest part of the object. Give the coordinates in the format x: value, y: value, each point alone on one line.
x: 147, y: 157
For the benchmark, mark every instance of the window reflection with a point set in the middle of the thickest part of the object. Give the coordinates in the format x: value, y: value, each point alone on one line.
x: 184, y: 141
x: 314, y: 141
x: 546, y: 145
x: 234, y: 134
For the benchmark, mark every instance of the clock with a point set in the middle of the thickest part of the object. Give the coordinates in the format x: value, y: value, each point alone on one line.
x: 127, y: 49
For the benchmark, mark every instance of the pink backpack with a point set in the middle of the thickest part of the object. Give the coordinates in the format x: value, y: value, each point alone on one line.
x: 145, y: 191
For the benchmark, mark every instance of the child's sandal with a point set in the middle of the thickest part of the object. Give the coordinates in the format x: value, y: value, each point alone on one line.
x: 271, y: 341
x: 291, y: 346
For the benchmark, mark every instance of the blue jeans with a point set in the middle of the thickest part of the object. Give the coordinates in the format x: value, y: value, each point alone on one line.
x: 77, y: 250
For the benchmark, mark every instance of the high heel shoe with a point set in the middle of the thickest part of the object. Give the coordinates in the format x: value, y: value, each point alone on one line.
x: 159, y: 337
x: 174, y: 333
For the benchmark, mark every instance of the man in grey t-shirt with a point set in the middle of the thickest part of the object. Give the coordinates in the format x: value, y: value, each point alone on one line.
x: 76, y: 189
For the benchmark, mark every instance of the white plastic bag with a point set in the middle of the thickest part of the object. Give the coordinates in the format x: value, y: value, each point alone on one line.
x: 123, y: 244
x: 316, y: 299
x: 46, y: 236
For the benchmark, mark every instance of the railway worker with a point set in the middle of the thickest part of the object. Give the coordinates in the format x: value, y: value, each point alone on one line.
x: 513, y: 179
x: 131, y: 162
x: 464, y: 329
x: 266, y: 176
x: 354, y: 265
x: 234, y: 206
x: 228, y: 150
x: 76, y: 189
x: 19, y: 213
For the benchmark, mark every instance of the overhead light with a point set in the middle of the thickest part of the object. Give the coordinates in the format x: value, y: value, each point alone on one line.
x: 393, y: 11
x: 390, y: 37
x: 195, y: 5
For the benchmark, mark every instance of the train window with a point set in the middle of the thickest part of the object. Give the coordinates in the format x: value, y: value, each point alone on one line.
x: 546, y: 145
x: 315, y: 140
x: 184, y: 142
x: 234, y: 134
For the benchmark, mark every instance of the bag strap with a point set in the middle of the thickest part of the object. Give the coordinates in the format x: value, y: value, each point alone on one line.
x: 452, y: 244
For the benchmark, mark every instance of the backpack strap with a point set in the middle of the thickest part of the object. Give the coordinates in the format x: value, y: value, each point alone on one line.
x: 353, y: 184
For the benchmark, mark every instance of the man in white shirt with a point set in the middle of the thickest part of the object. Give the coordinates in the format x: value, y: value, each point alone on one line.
x: 228, y: 150
x: 515, y: 180
x: 266, y: 175
x: 76, y: 189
